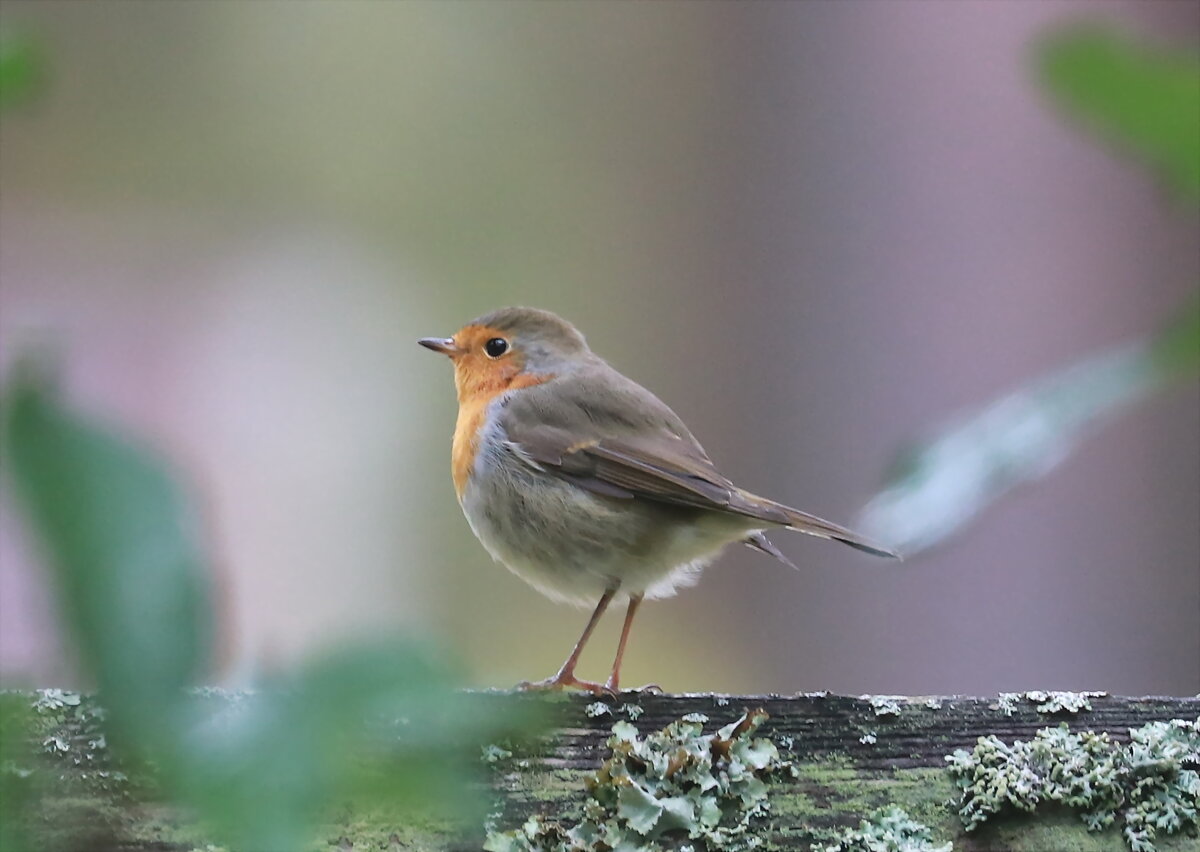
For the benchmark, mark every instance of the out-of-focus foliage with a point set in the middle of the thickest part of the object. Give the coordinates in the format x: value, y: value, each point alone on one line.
x: 1176, y: 349
x: 17, y: 791
x: 942, y: 485
x: 129, y: 571
x: 21, y: 70
x: 378, y: 723
x: 1146, y: 101
x: 376, y: 727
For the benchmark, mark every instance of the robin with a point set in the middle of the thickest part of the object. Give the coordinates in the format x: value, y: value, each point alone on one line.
x: 586, y: 485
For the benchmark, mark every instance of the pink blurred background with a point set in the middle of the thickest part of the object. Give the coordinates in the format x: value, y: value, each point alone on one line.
x: 816, y: 230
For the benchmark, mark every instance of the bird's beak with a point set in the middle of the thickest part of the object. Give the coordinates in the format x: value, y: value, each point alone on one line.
x: 445, y: 345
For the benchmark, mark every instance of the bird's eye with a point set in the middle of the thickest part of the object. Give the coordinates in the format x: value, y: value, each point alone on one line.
x: 495, y: 347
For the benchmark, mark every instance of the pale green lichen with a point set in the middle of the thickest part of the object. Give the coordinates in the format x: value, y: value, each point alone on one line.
x: 633, y: 711
x: 597, y: 708
x: 1006, y: 702
x: 1062, y: 702
x: 69, y: 728
x: 493, y: 753
x: 885, y: 705
x: 1150, y: 786
x: 891, y: 830
x: 676, y: 783
x: 869, y: 738
x: 1047, y: 702
x: 56, y: 744
x: 55, y: 699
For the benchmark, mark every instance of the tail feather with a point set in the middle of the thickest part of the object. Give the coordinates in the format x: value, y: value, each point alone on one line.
x: 769, y: 510
x: 760, y: 542
x: 812, y: 525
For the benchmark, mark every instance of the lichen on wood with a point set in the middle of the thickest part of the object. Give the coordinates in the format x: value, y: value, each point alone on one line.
x: 851, y: 759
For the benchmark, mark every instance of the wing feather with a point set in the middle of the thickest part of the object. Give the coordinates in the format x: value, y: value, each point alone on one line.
x: 585, y: 431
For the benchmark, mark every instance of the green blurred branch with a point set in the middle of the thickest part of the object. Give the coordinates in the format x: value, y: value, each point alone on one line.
x: 940, y: 486
x: 1145, y: 101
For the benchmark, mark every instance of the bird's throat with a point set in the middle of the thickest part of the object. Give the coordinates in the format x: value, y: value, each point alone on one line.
x: 473, y: 408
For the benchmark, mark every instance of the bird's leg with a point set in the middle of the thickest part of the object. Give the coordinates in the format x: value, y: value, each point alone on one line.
x: 614, y: 679
x: 566, y: 674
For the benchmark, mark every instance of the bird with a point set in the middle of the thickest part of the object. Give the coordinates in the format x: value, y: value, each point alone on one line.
x: 585, y: 484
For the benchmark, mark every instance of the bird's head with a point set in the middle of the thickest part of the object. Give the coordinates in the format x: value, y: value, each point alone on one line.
x: 510, y: 347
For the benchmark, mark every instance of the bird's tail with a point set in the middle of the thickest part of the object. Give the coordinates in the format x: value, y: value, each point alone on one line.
x: 777, y: 513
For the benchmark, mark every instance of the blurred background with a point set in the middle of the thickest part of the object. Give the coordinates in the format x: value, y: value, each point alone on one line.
x: 818, y: 231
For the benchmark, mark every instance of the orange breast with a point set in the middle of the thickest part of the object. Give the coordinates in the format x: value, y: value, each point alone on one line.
x: 472, y: 415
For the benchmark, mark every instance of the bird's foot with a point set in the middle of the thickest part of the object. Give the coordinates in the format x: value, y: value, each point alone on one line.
x: 565, y: 680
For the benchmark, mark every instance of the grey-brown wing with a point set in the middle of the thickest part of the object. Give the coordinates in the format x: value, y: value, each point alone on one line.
x: 612, y: 436
x: 644, y: 467
x: 615, y: 438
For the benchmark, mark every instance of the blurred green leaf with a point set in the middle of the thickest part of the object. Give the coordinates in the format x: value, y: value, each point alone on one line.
x: 130, y: 578
x: 1176, y: 349
x: 1144, y: 99
x: 940, y: 486
x: 22, y: 69
x: 17, y: 791
x: 375, y: 725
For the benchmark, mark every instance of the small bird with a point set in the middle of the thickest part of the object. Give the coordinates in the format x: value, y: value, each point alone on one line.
x: 586, y: 485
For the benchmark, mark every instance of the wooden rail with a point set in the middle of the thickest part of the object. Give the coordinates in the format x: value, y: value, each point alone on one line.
x: 849, y: 757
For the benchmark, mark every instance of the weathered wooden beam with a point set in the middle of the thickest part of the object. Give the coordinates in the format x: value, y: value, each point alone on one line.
x: 853, y: 756
x: 850, y: 757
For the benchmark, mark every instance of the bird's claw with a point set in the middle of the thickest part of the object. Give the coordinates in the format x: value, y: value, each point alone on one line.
x: 567, y: 681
